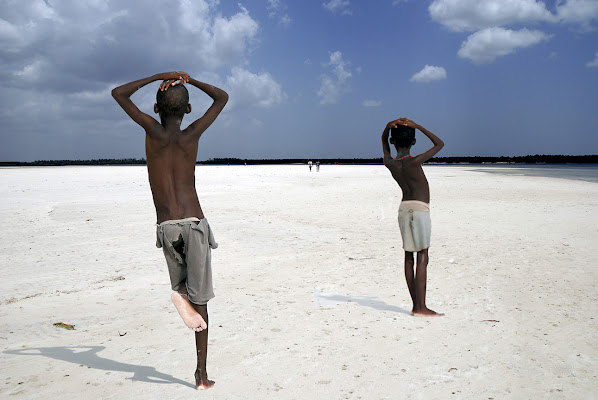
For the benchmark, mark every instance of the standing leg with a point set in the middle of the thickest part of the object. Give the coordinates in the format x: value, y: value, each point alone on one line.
x: 201, y: 344
x: 409, y: 276
x: 421, y: 275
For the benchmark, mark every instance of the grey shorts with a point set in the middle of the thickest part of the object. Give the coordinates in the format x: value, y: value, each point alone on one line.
x: 186, y: 244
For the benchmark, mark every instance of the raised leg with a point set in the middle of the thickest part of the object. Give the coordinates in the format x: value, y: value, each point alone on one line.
x: 201, y: 345
x: 190, y: 316
x: 421, y: 276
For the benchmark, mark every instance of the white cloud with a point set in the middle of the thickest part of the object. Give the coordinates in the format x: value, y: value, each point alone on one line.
x: 470, y: 15
x: 338, y: 6
x: 371, y: 103
x: 429, y: 73
x: 230, y: 37
x: 276, y: 10
x: 111, y: 41
x: 59, y: 60
x: 485, y: 45
x: 593, y: 63
x: 488, y: 16
x: 31, y: 72
x: 578, y: 11
x: 285, y: 20
x: 247, y: 89
x: 273, y: 7
x: 333, y: 88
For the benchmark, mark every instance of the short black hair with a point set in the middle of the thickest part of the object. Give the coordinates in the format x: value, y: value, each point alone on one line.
x: 402, y: 135
x: 173, y: 101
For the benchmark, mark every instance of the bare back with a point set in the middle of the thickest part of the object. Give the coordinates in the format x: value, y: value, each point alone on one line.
x: 170, y: 152
x: 410, y: 176
x: 406, y: 169
x: 171, y: 158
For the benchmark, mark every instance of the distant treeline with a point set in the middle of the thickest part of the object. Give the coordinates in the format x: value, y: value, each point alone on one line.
x: 101, y: 161
x: 535, y: 159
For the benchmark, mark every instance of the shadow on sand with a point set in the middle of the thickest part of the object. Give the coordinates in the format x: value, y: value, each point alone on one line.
x: 331, y: 298
x: 87, y: 355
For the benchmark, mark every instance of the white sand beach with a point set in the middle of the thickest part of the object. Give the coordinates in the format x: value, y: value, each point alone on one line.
x: 311, y: 300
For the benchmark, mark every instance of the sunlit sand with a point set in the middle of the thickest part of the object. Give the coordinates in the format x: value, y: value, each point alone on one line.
x: 311, y: 299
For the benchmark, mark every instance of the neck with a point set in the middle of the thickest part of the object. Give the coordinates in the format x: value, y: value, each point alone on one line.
x: 403, y: 152
x: 171, y: 121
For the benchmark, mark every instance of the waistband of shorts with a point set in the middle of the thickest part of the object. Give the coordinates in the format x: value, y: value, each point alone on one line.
x: 415, y: 205
x: 178, y: 221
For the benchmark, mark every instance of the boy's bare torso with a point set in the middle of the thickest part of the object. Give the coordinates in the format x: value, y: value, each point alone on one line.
x: 410, y: 176
x: 172, y: 153
x: 407, y: 169
x: 171, y: 158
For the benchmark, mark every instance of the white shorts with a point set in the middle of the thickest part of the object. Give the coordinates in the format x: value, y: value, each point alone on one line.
x: 415, y: 224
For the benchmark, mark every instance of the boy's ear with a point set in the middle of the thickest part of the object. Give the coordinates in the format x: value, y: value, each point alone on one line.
x: 156, y: 110
x: 414, y: 140
x: 188, y: 110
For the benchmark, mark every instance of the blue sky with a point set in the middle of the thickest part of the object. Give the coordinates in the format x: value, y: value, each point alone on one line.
x: 306, y: 79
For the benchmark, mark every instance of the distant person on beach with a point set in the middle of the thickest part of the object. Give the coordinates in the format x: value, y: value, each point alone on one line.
x: 182, y: 232
x: 317, y: 166
x: 414, y: 211
x: 309, y: 164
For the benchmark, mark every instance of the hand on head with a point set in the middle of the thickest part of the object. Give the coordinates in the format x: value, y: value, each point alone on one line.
x: 402, y: 121
x: 174, y: 79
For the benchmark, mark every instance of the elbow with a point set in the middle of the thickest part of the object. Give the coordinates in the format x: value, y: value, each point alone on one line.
x: 223, y: 96
x: 115, y: 93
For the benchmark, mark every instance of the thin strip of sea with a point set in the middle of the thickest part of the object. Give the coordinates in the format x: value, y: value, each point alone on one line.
x: 581, y: 172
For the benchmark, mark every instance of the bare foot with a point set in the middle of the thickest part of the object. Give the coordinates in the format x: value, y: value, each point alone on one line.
x: 201, y: 381
x: 191, y: 317
x: 425, y: 312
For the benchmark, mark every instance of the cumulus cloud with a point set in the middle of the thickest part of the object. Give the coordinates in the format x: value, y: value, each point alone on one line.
x: 59, y: 60
x: 583, y: 12
x: 85, y: 44
x: 428, y: 74
x: 470, y: 15
x: 338, y: 6
x: 276, y: 10
x: 485, y: 45
x: 371, y: 103
x: 333, y: 87
x: 249, y: 89
x: 593, y: 63
x: 488, y: 16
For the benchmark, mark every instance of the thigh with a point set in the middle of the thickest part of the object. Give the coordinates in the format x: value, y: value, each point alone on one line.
x: 171, y: 238
x: 199, y: 263
x: 422, y: 229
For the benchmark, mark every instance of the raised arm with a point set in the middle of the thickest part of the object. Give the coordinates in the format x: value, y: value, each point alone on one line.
x: 220, y: 98
x: 438, y: 144
x: 123, y: 93
x: 385, y: 145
